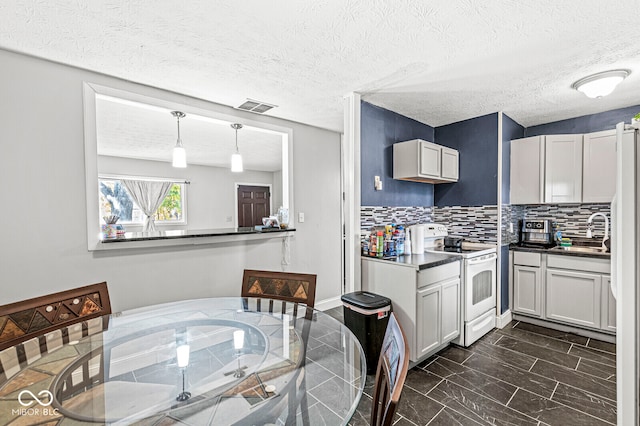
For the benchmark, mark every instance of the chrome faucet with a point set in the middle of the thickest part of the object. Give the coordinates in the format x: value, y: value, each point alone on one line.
x: 606, y: 228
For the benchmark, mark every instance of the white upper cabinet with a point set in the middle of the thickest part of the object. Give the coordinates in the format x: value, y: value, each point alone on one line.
x: 450, y: 163
x: 563, y: 169
x: 599, y: 167
x: 527, y: 170
x: 422, y: 161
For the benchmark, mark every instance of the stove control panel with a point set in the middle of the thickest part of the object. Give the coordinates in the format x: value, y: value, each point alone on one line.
x: 435, y: 230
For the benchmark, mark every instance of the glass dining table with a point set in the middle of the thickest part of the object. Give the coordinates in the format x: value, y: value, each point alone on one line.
x: 215, y: 361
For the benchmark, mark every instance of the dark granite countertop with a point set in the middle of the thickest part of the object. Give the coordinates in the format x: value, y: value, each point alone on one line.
x: 516, y: 247
x: 420, y: 261
x: 190, y: 233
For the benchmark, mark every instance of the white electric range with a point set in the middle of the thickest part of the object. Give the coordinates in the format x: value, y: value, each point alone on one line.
x: 477, y: 282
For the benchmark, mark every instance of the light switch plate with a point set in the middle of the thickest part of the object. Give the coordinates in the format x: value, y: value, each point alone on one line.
x: 377, y: 183
x: 300, y: 217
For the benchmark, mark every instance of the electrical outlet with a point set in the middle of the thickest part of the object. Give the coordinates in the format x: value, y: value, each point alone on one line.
x: 229, y: 219
x: 511, y: 227
x: 300, y: 217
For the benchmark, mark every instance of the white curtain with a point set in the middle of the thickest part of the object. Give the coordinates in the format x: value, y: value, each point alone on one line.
x: 147, y: 195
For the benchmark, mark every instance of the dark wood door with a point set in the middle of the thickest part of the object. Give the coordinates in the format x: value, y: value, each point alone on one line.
x: 253, y: 204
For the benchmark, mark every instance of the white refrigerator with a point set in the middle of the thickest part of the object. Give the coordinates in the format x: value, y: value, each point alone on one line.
x: 625, y: 263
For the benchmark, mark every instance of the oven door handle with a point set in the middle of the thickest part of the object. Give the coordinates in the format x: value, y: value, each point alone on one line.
x: 482, y: 259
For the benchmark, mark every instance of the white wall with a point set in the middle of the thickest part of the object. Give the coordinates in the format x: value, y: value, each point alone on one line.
x: 211, y: 201
x: 43, y: 244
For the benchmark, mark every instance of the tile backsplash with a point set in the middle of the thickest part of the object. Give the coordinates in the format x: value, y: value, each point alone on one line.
x: 479, y: 224
x: 379, y: 216
x: 476, y: 224
x: 571, y: 218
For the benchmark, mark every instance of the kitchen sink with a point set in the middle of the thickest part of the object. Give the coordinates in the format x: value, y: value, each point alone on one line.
x: 579, y: 249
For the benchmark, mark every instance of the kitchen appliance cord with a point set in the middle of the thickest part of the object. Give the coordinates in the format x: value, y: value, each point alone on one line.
x: 286, y: 252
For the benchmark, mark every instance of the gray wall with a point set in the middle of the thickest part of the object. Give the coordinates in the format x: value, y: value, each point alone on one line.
x: 42, y: 171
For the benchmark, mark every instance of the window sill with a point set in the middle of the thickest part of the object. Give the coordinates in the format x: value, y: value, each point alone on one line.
x: 189, y: 237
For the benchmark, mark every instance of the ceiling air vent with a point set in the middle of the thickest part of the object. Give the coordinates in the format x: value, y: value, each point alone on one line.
x: 256, y: 106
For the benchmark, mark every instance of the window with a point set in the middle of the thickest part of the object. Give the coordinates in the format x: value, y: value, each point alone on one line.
x: 115, y: 200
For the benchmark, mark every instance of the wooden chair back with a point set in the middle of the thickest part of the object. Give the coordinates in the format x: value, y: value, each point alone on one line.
x: 287, y: 287
x: 295, y: 289
x: 24, y: 320
x: 390, y: 375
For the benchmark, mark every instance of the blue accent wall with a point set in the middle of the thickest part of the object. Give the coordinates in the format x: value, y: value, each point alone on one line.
x: 380, y: 129
x: 586, y: 124
x: 510, y: 130
x: 476, y: 140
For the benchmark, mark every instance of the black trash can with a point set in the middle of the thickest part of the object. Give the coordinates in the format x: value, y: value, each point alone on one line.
x: 367, y: 314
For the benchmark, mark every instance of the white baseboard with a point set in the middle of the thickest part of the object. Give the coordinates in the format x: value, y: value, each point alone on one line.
x: 325, y: 304
x: 504, y: 319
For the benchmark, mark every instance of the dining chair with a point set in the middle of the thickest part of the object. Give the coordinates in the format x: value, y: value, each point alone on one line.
x: 29, y: 328
x: 287, y: 287
x: 393, y: 365
x: 295, y: 289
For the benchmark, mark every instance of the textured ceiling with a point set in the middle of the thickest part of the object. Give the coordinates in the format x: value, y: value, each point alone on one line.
x: 132, y: 130
x: 436, y: 61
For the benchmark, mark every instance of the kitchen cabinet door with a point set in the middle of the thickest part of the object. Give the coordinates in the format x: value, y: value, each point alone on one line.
x: 450, y: 163
x: 428, y: 327
x: 450, y: 310
x: 563, y: 169
x: 527, y: 170
x: 608, y: 322
x: 527, y: 290
x: 430, y: 160
x: 599, y: 167
x: 573, y: 297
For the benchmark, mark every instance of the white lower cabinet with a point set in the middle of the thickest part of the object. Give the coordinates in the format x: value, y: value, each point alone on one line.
x: 527, y: 290
x: 568, y: 289
x: 426, y: 302
x: 608, y: 321
x: 428, y: 322
x: 573, y: 297
x: 438, y: 315
x: 451, y: 315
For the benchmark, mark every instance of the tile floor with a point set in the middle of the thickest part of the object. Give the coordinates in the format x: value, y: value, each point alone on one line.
x: 520, y: 375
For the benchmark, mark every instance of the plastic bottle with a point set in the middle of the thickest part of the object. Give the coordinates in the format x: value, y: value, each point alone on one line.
x: 365, y: 245
x: 380, y: 244
x: 400, y: 240
x: 407, y: 241
x: 373, y: 251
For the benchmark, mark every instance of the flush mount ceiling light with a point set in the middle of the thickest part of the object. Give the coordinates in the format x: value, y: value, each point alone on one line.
x: 179, y: 153
x: 600, y: 84
x: 236, y: 159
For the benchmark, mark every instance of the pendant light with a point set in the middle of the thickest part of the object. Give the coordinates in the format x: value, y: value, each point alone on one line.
x: 236, y: 158
x: 179, y: 153
x: 600, y: 84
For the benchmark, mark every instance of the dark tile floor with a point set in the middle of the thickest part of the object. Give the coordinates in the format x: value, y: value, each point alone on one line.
x: 519, y: 375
